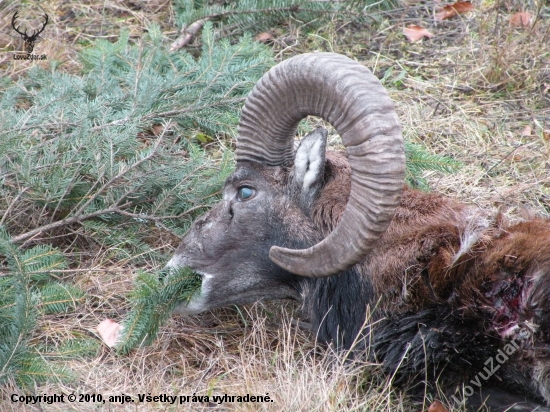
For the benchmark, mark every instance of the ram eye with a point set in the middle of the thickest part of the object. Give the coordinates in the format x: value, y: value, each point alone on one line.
x: 245, y: 193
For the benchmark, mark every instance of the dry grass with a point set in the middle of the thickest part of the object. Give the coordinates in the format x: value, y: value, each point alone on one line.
x: 254, y: 350
x: 479, y: 91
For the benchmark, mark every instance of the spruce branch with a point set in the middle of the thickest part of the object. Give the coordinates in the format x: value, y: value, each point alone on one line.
x: 26, y: 290
x: 120, y: 175
x: 153, y: 300
x: 78, y: 148
x: 419, y: 160
x: 81, y: 151
x: 78, y: 214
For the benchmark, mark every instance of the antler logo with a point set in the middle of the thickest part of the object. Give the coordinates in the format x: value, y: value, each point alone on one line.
x: 28, y: 39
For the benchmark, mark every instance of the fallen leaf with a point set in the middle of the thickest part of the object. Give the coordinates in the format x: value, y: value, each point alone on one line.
x: 517, y: 158
x: 157, y: 129
x: 437, y: 406
x: 110, y: 332
x: 414, y: 32
x: 452, y: 10
x: 521, y: 19
x: 526, y: 131
x: 264, y: 37
x: 203, y: 138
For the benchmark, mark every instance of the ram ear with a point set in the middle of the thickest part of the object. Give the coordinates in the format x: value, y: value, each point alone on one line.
x: 309, y: 164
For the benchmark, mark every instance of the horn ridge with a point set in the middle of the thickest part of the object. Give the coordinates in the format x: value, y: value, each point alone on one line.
x: 352, y: 99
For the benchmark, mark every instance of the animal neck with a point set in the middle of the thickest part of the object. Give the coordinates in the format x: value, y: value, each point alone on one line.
x: 337, y: 306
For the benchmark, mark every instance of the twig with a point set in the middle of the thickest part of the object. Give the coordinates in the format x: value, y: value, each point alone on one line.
x: 143, y: 216
x: 11, y: 205
x: 188, y: 33
x: 73, y: 219
x: 508, y: 155
x: 113, y: 209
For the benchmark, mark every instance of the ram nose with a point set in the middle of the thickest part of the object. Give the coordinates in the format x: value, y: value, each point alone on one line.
x: 176, y: 262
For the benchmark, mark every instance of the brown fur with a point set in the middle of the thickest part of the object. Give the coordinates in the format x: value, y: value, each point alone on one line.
x: 424, y: 235
x: 422, y: 261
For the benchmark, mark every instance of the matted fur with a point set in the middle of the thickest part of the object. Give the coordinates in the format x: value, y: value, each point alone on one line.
x: 453, y: 286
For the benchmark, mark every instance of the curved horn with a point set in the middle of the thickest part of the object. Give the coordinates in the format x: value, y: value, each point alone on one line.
x: 353, y: 100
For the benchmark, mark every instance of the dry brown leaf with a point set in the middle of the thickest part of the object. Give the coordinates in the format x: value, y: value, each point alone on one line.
x: 110, y: 331
x: 414, y: 32
x: 527, y: 131
x: 517, y: 158
x: 157, y: 129
x: 264, y: 37
x: 452, y: 10
x: 521, y: 19
x: 437, y: 406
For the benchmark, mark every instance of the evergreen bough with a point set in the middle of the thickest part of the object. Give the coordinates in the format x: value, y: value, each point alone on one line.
x: 419, y: 160
x: 153, y: 299
x: 26, y: 292
x: 109, y: 155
